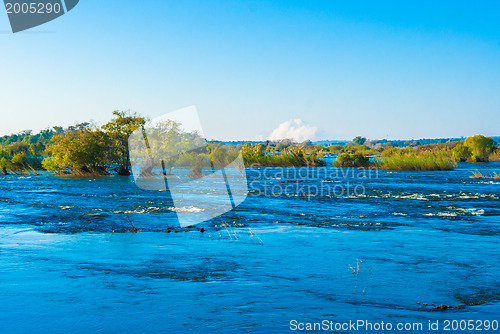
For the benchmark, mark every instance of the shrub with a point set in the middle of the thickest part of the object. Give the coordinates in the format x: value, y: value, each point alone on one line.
x: 495, y: 156
x: 84, y: 151
x: 413, y: 162
x: 359, y: 140
x: 315, y: 159
x: 334, y: 149
x: 50, y: 164
x: 461, y: 153
x: 480, y: 146
x: 19, y: 159
x: 347, y: 160
x: 3, y: 165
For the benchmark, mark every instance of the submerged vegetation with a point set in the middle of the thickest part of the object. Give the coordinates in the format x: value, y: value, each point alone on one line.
x: 86, y: 149
x: 479, y: 175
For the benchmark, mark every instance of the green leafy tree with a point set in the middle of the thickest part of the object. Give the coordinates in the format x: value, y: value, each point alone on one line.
x: 36, y: 149
x: 169, y: 142
x: 18, y: 147
x: 220, y: 155
x: 50, y: 164
x: 315, y: 159
x: 4, y: 153
x: 359, y: 140
x: 196, y: 161
x: 19, y: 160
x: 461, y: 153
x: 168, y: 145
x: 3, y: 165
x: 480, y: 146
x: 119, y: 130
x: 334, y: 148
x: 82, y: 151
x: 347, y: 160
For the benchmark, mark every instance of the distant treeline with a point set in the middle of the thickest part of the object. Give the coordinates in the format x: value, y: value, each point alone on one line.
x: 375, y: 143
x: 362, y: 153
x: 86, y: 149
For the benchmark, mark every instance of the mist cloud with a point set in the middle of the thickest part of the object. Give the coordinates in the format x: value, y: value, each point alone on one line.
x: 295, y: 129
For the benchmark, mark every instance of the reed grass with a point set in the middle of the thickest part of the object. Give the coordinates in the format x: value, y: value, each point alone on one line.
x: 479, y: 175
x: 414, y: 162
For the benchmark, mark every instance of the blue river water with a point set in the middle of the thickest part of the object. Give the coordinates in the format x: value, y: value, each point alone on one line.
x: 339, y: 245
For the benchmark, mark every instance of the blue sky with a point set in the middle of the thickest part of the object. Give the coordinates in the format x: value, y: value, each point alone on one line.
x: 381, y: 69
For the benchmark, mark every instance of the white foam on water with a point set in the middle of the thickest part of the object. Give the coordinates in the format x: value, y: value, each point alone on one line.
x: 187, y: 209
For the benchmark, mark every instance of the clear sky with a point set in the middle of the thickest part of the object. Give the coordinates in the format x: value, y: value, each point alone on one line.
x: 337, y: 69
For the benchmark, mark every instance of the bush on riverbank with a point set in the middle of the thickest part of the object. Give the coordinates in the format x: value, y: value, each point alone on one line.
x: 480, y: 147
x: 461, y: 153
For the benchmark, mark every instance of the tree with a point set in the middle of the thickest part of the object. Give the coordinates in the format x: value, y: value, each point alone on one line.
x: 315, y: 159
x: 352, y: 160
x: 3, y: 165
x: 359, y: 140
x: 82, y: 151
x: 18, y: 147
x: 196, y: 161
x: 50, y: 164
x: 4, y: 153
x: 166, y: 144
x: 119, y: 130
x: 19, y: 159
x: 219, y: 155
x: 480, y: 146
x: 334, y: 148
x: 461, y: 153
x: 36, y: 149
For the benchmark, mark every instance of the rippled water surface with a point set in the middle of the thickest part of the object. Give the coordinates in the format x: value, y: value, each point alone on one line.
x: 284, y: 254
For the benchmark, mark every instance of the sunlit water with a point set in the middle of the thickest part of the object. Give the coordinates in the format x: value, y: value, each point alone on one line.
x: 284, y: 254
